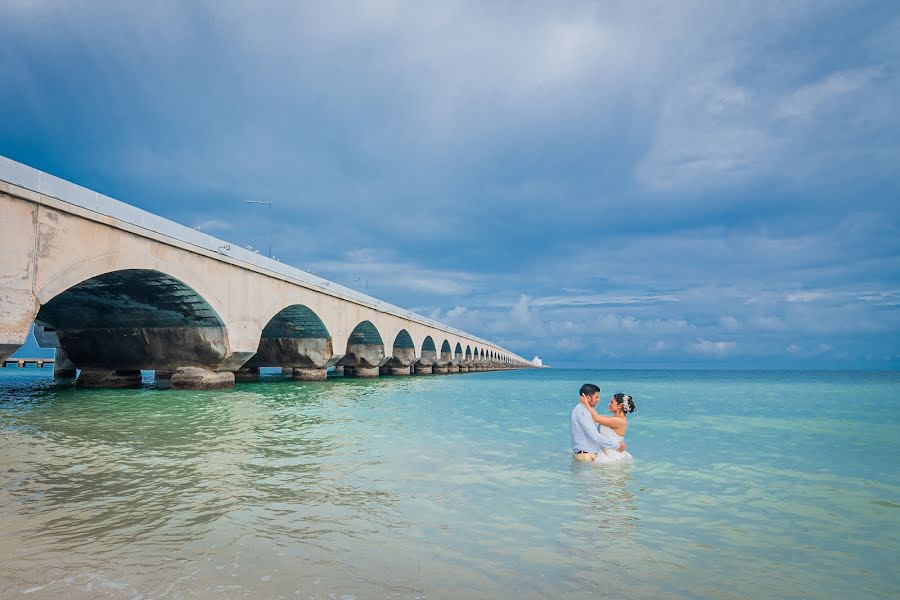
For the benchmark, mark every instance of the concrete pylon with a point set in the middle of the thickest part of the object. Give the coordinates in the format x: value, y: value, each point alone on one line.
x: 246, y: 375
x: 196, y: 378
x: 361, y: 372
x: 163, y: 379
x: 63, y: 368
x: 107, y: 378
x: 304, y: 374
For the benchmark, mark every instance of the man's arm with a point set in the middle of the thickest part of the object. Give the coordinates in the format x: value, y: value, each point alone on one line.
x: 590, y: 430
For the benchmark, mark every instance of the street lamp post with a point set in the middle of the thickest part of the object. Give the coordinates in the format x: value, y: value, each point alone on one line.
x: 269, y: 228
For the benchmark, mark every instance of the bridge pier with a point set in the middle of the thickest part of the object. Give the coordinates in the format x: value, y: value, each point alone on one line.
x: 361, y: 372
x: 197, y: 378
x: 307, y: 374
x: 421, y: 369
x: 163, y: 379
x: 108, y: 378
x: 63, y: 368
x: 246, y: 375
x: 439, y: 369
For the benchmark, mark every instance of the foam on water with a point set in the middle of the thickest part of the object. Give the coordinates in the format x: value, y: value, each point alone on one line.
x: 745, y: 485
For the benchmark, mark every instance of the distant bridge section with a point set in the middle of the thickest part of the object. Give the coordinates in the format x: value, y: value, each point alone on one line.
x: 116, y: 290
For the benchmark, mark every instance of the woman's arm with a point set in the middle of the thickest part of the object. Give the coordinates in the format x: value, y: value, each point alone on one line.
x: 611, y: 422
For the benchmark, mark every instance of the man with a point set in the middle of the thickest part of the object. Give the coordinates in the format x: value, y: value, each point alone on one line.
x: 586, y: 438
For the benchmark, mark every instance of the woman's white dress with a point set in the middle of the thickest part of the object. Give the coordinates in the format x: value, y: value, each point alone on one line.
x: 611, y: 455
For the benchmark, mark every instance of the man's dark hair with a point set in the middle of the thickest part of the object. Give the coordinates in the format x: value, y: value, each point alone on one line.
x: 589, y: 389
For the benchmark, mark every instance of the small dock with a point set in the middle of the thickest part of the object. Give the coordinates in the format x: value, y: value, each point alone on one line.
x: 22, y: 362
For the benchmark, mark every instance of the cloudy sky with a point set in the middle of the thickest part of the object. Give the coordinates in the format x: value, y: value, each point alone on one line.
x: 605, y: 184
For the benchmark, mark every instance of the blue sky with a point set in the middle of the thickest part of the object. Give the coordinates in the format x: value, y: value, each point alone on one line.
x: 605, y: 184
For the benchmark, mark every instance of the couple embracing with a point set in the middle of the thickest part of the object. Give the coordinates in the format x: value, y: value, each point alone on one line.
x: 596, y: 437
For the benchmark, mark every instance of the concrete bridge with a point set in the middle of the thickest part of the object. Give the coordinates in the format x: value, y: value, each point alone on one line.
x: 116, y: 290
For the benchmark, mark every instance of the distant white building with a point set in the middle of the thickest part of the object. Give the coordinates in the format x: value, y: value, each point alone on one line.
x: 536, y: 361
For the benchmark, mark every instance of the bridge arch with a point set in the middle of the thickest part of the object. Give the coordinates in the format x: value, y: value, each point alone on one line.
x: 132, y: 319
x: 428, y: 354
x: 71, y: 269
x: 295, y: 336
x: 403, y: 351
x: 446, y: 352
x: 365, y: 350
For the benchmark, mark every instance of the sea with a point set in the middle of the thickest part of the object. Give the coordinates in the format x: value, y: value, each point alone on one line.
x: 746, y: 484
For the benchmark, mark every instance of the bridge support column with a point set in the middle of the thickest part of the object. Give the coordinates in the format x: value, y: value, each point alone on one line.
x: 107, y: 378
x: 463, y: 368
x: 424, y: 369
x: 18, y: 308
x: 63, y: 368
x: 361, y: 372
x: 196, y: 378
x: 163, y: 379
x: 304, y: 374
x: 399, y: 371
x: 246, y: 375
x: 439, y: 369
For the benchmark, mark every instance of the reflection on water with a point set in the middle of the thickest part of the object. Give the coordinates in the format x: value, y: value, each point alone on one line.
x: 438, y: 487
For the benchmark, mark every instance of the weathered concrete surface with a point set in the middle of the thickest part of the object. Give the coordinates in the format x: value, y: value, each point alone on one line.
x: 366, y: 356
x: 246, y: 375
x: 18, y: 304
x: 304, y: 374
x: 63, y: 368
x: 163, y: 379
x: 147, y: 348
x: 106, y: 378
x: 361, y: 372
x: 422, y: 369
x: 309, y: 353
x: 440, y: 369
x: 195, y: 378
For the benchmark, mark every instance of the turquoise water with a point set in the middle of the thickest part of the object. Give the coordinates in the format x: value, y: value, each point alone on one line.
x: 745, y: 485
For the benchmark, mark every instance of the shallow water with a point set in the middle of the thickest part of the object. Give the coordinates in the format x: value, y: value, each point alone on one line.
x: 745, y: 485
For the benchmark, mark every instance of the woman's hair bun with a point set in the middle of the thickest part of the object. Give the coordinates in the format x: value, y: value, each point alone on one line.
x: 626, y: 401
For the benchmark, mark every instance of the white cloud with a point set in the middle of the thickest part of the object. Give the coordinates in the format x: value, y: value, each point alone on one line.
x: 367, y: 267
x: 804, y: 102
x: 522, y: 315
x: 601, y: 299
x: 456, y: 312
x: 804, y: 296
x: 712, y: 348
x: 729, y: 322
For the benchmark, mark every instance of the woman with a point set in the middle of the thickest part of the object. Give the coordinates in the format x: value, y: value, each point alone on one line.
x: 613, y: 427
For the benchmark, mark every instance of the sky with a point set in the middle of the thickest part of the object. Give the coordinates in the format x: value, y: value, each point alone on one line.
x: 604, y: 184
